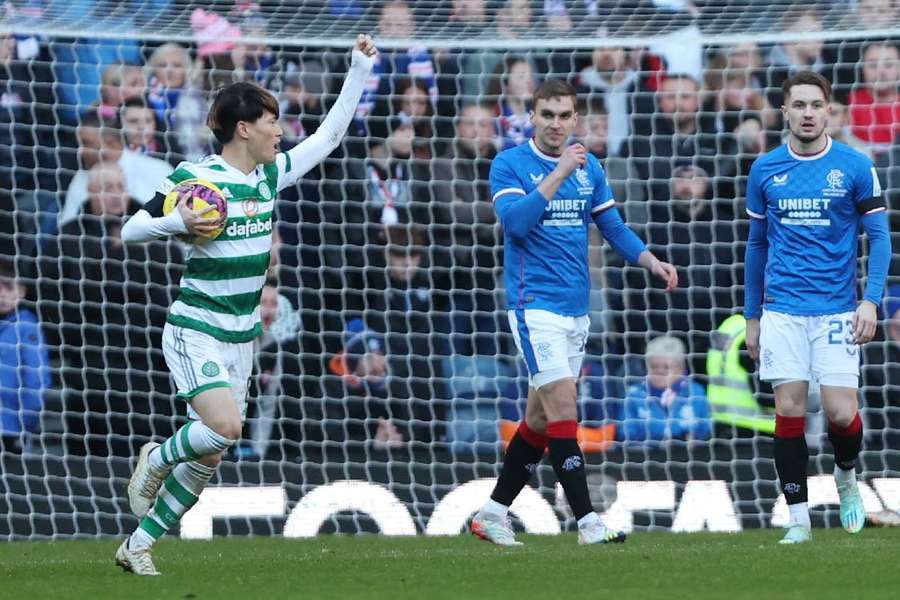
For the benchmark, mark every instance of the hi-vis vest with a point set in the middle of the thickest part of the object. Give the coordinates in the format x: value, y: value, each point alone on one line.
x: 730, y: 396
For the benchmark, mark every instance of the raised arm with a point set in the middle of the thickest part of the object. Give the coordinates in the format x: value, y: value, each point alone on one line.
x: 297, y: 161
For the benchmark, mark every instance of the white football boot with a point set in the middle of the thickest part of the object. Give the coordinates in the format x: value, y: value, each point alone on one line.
x: 494, y: 529
x: 138, y: 562
x: 144, y: 482
x: 797, y: 534
x: 598, y: 533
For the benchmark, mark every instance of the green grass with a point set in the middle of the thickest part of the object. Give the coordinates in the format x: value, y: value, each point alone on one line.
x: 649, y: 565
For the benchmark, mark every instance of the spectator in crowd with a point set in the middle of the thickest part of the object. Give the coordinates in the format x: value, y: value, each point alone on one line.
x: 592, y: 129
x: 388, y: 172
x: 27, y: 122
x: 358, y: 407
x: 24, y: 364
x: 107, y: 303
x: 395, y: 21
x: 462, y: 209
x: 170, y: 69
x: 874, y: 106
x: 881, y: 378
x: 276, y: 372
x: 119, y: 84
x: 731, y: 98
x: 668, y: 404
x: 839, y: 128
x: 468, y: 18
x: 788, y: 58
x: 677, y: 137
x: 511, y: 88
x: 78, y: 67
x: 514, y: 21
x: 415, y: 104
x: 255, y: 61
x: 397, y: 299
x: 101, y: 140
x: 142, y: 132
x: 300, y: 103
x: 612, y: 76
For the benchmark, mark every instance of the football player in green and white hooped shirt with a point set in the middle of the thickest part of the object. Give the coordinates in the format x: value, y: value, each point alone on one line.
x: 209, y: 332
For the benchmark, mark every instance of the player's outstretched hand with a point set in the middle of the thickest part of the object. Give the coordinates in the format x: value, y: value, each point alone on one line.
x: 572, y: 157
x: 667, y: 273
x: 366, y: 45
x: 752, y: 338
x: 195, y: 220
x: 865, y: 320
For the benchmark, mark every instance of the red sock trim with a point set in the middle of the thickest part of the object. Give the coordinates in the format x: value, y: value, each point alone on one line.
x: 789, y: 427
x: 852, y: 429
x: 562, y: 429
x: 532, y: 437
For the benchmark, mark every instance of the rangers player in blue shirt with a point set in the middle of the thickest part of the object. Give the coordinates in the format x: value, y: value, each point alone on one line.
x: 546, y: 195
x: 806, y: 201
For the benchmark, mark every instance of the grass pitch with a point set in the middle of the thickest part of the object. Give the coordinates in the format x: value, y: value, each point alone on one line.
x: 648, y: 566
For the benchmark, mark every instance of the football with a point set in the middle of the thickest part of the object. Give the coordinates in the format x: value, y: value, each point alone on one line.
x: 203, y: 194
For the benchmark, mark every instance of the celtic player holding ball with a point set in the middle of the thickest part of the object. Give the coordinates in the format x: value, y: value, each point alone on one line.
x: 208, y: 337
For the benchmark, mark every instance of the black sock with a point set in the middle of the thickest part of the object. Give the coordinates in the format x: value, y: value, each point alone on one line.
x: 791, y: 458
x: 520, y: 462
x: 847, y: 442
x: 568, y: 464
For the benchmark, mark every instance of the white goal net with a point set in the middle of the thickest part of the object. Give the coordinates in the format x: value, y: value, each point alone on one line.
x: 387, y: 381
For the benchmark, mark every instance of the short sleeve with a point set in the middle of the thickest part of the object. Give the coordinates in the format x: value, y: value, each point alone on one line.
x: 867, y: 195
x: 603, y: 195
x: 504, y: 180
x: 756, y: 202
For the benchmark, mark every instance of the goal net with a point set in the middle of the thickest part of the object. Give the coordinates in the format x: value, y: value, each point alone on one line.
x: 387, y: 382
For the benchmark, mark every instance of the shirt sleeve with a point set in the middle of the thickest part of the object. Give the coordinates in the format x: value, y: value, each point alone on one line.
x: 867, y: 196
x: 603, y: 194
x: 756, y: 202
x: 504, y: 181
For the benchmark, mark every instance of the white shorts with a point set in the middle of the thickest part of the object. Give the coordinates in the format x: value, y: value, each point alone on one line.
x: 199, y: 362
x: 818, y: 349
x: 553, y: 345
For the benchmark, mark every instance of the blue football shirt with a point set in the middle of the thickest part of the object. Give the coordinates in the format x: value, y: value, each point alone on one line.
x: 813, y: 206
x: 548, y: 269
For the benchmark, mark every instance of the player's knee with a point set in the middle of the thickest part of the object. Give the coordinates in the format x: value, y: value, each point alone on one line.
x: 536, y: 422
x: 559, y: 400
x: 230, y: 429
x: 842, y: 416
x: 211, y: 460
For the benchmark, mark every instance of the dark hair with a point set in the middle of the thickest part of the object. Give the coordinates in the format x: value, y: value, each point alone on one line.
x: 7, y: 268
x: 92, y: 118
x: 876, y: 44
x: 807, y: 78
x: 238, y: 102
x: 134, y: 103
x: 554, y: 88
x: 497, y: 84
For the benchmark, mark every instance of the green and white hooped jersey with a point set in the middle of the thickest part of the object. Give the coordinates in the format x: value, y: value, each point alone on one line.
x: 222, y: 284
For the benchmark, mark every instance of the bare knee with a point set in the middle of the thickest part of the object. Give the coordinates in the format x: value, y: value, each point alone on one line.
x: 559, y: 400
x: 841, y: 416
x: 211, y: 460
x: 790, y: 398
x: 230, y: 429
x: 536, y: 422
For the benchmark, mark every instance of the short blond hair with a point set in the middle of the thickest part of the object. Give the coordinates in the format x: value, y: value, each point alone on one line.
x: 666, y: 346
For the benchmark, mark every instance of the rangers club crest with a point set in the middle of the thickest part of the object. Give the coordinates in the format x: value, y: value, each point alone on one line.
x: 835, y: 179
x: 583, y: 179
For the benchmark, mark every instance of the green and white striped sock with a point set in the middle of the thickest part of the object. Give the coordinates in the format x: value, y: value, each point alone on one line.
x: 191, y: 442
x: 179, y: 492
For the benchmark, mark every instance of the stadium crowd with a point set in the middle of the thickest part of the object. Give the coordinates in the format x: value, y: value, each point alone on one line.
x: 384, y: 323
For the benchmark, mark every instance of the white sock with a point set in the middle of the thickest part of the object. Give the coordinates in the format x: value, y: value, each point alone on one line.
x: 177, y: 495
x: 800, y: 514
x: 494, y: 508
x: 842, y: 477
x: 588, y: 519
x: 190, y: 442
